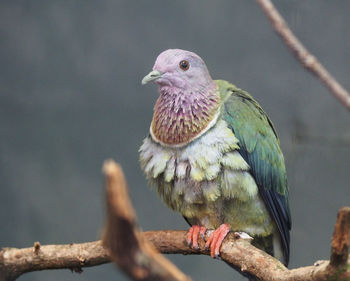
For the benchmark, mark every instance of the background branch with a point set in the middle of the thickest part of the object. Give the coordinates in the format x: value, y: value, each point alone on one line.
x: 309, y: 61
x: 129, y: 250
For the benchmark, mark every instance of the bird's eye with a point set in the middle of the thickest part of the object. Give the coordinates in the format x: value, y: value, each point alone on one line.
x: 184, y: 65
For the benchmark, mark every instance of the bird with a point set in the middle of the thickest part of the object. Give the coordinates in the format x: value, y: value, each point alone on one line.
x: 214, y: 156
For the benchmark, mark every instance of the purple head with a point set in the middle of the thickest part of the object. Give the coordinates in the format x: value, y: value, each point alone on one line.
x: 180, y: 69
x: 188, y: 100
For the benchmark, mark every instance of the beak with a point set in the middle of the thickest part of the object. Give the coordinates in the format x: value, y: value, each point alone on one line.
x: 153, y: 75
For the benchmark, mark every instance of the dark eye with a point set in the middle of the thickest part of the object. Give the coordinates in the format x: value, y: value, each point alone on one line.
x: 184, y: 65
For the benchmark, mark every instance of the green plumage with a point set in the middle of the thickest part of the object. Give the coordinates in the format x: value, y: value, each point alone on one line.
x: 233, y: 173
x: 259, y: 146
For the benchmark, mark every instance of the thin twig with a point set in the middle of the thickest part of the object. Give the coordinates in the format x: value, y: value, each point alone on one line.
x: 302, y: 54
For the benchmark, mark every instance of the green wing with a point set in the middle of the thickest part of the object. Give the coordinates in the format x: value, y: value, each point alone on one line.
x: 259, y: 146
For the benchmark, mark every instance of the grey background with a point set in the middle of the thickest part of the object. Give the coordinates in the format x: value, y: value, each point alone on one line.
x: 70, y: 97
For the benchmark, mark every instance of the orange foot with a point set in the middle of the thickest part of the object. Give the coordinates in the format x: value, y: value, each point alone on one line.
x: 193, y: 234
x: 215, y: 240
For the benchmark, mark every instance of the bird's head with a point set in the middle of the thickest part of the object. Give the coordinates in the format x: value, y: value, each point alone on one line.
x: 184, y: 70
x: 188, y: 101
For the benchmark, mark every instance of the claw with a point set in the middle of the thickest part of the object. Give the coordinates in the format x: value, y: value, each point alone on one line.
x: 243, y: 235
x: 215, y: 240
x: 193, y: 234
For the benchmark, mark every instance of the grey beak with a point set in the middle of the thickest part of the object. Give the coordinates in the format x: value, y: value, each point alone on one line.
x: 153, y: 75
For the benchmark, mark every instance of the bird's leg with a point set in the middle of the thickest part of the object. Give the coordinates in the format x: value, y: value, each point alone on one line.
x: 215, y: 240
x: 193, y: 234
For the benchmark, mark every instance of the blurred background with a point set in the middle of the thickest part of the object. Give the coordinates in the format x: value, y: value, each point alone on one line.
x: 71, y: 97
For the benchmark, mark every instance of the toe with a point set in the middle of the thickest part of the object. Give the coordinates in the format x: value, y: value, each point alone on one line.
x: 209, y: 241
x: 195, y: 237
x: 215, y: 240
x: 190, y: 236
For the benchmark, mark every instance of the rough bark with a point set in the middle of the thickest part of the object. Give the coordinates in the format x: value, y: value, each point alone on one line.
x: 14, y: 262
x: 135, y: 252
x: 341, y: 239
x: 239, y: 252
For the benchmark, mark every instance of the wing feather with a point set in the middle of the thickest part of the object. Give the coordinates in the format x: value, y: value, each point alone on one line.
x: 259, y: 146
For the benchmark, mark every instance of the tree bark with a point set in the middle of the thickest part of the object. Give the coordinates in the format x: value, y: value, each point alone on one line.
x: 135, y: 252
x: 15, y: 262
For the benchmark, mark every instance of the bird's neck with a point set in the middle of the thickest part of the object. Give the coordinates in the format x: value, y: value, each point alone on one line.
x: 180, y: 116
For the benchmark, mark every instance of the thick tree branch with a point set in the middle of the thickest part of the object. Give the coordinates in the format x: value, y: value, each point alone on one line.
x: 14, y: 262
x: 302, y: 54
x: 132, y: 251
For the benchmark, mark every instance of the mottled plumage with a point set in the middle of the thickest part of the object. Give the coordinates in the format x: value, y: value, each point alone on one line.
x: 178, y: 118
x: 213, y: 154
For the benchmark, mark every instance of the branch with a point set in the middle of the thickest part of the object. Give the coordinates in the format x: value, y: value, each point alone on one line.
x: 128, y: 248
x: 341, y: 239
x: 133, y: 252
x: 309, y: 61
x: 15, y: 262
